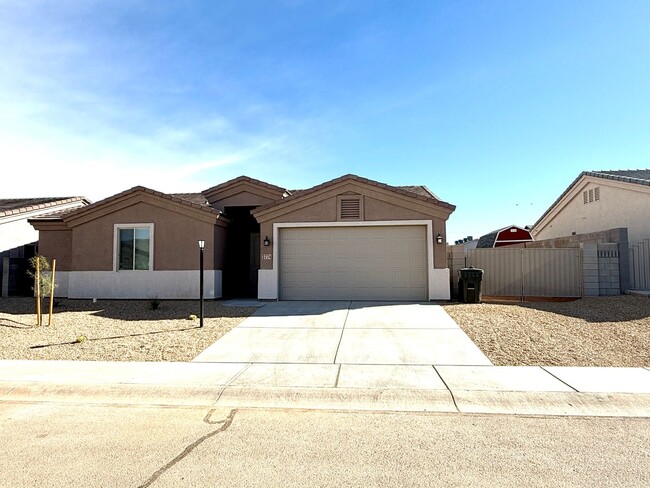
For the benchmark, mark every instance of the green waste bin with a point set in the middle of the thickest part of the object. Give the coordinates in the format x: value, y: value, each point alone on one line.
x: 469, y: 284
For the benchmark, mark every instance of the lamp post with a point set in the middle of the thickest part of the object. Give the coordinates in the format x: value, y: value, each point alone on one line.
x: 201, y: 246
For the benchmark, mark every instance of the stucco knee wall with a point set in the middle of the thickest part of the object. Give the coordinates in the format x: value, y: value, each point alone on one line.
x: 138, y: 284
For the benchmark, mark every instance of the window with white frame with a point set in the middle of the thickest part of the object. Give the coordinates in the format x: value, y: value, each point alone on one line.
x: 133, y: 247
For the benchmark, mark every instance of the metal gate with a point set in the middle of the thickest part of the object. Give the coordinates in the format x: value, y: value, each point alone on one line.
x: 529, y: 272
x: 640, y: 265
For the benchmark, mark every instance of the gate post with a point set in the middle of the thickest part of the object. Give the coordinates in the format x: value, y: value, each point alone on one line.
x: 590, y: 269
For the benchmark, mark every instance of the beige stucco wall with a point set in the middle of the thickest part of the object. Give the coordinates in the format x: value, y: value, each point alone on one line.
x: 620, y: 205
x: 375, y: 209
x: 174, y: 239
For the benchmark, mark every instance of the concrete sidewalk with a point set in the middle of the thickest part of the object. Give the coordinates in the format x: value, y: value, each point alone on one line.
x: 623, y: 392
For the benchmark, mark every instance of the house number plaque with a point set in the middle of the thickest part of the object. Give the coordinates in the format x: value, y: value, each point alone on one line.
x: 266, y: 257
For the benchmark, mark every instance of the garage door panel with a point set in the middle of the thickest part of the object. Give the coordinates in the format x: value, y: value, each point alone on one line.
x: 361, y: 263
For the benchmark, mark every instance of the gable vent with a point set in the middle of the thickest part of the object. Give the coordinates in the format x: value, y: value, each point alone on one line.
x: 350, y: 208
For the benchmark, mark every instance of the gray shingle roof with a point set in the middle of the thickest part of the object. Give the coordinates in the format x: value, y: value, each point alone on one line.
x: 487, y: 240
x: 640, y: 176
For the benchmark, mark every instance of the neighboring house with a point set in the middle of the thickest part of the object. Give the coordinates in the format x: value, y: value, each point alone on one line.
x: 505, y: 237
x: 18, y: 238
x: 598, y: 201
x: 348, y: 238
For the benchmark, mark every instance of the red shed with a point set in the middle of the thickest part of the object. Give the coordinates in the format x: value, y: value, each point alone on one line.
x: 504, y: 237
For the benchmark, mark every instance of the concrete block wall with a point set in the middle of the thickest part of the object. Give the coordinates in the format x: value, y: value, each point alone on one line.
x: 609, y: 279
x: 590, y: 274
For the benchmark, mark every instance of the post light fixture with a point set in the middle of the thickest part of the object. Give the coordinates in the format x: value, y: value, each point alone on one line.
x: 267, y: 242
x: 439, y: 239
x: 201, y: 247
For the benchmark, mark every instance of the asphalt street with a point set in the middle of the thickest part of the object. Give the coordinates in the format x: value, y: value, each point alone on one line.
x: 48, y: 444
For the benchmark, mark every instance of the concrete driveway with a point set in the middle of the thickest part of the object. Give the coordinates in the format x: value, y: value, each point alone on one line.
x: 344, y: 332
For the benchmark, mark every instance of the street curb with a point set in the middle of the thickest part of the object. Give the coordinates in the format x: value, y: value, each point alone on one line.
x: 348, y: 399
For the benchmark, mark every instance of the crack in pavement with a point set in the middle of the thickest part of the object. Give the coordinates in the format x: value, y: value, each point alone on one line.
x: 207, y: 419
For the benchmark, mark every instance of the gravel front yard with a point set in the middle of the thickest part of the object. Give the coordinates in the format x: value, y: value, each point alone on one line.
x: 117, y: 330
x: 602, y: 331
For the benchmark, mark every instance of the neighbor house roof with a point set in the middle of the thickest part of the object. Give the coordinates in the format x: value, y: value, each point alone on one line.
x: 635, y: 176
x: 639, y: 176
x: 14, y: 206
x: 423, y: 194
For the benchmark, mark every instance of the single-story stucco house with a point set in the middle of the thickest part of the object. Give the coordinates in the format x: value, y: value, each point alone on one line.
x: 348, y: 238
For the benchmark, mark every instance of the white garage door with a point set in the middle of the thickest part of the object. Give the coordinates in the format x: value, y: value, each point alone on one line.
x: 353, y: 263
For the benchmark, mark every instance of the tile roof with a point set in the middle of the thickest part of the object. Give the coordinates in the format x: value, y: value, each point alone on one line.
x: 197, y: 198
x: 423, y: 194
x: 13, y: 206
x: 420, y: 190
x: 636, y: 176
x: 247, y: 179
x: 640, y: 176
x: 89, y: 208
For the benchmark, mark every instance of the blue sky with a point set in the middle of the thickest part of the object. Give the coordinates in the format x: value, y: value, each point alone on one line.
x: 496, y: 106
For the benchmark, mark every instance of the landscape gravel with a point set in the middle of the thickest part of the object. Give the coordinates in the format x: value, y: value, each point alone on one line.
x: 598, y: 331
x: 114, y: 330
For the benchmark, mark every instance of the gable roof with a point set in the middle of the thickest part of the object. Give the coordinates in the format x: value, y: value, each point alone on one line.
x: 635, y: 176
x: 14, y: 206
x: 243, y: 179
x: 79, y: 212
x: 423, y: 195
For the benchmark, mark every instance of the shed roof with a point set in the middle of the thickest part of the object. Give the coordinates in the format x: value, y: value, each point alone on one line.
x: 488, y: 240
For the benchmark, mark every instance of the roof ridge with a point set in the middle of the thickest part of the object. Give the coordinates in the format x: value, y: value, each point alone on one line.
x: 244, y: 178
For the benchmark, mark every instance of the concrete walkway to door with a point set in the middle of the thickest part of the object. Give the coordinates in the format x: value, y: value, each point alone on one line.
x: 344, y: 332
